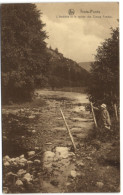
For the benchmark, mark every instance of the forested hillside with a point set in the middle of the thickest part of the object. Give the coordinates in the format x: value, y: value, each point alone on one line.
x: 65, y: 72
x: 86, y: 65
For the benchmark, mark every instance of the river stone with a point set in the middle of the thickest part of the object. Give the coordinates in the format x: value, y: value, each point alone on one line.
x: 49, y: 143
x: 36, y: 161
x: 69, y: 144
x: 21, y: 172
x: 81, y: 164
x: 31, y: 117
x: 17, y: 159
x: 21, y: 110
x: 29, y: 162
x: 31, y: 153
x: 48, y: 156
x: 6, y: 164
x: 4, y: 137
x: 76, y: 130
x: 89, y: 158
x: 12, y: 160
x: 78, y: 109
x: 6, y: 158
x: 48, y: 165
x: 37, y: 148
x: 68, y: 184
x: 59, y: 129
x: 62, y: 152
x: 99, y: 184
x: 27, y: 177
x: 15, y: 164
x: 33, y: 131
x: 19, y: 183
x: 73, y: 173
x: 22, y: 156
x: 23, y: 160
x: 22, y: 164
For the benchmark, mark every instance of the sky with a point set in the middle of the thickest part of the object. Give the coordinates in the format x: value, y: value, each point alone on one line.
x: 76, y: 36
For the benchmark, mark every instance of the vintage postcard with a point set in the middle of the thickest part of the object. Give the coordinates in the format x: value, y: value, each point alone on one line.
x: 60, y: 97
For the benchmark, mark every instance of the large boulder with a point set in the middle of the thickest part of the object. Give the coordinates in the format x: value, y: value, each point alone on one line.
x: 21, y: 172
x: 6, y: 164
x: 22, y: 162
x: 49, y: 156
x: 62, y: 152
x: 19, y: 183
x: 28, y: 177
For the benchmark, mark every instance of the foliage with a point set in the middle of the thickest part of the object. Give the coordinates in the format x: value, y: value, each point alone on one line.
x: 56, y: 50
x: 64, y: 72
x: 104, y: 82
x: 24, y: 57
x: 26, y: 61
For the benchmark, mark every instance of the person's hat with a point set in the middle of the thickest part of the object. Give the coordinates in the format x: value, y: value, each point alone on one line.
x: 103, y: 105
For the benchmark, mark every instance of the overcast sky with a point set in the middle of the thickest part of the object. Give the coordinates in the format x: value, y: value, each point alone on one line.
x: 78, y: 38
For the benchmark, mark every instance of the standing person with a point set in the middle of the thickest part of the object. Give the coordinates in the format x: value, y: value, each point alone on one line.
x: 104, y: 121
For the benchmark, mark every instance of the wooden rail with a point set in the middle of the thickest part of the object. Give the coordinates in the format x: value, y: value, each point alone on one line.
x: 95, y: 122
x: 71, y: 137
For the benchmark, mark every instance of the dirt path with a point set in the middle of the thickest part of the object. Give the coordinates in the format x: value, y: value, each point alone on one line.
x: 62, y: 169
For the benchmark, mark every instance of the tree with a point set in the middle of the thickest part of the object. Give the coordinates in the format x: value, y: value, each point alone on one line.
x: 104, y: 82
x: 24, y: 57
x: 56, y: 50
x: 50, y: 47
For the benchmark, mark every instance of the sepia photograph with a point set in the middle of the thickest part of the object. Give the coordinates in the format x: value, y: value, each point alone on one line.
x: 60, y: 94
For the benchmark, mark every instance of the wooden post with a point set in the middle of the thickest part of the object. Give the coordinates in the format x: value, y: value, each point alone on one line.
x: 115, y: 109
x: 95, y: 122
x: 71, y: 137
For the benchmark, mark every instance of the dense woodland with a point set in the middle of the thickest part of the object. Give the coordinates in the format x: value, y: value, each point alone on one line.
x: 27, y: 62
x: 104, y: 81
